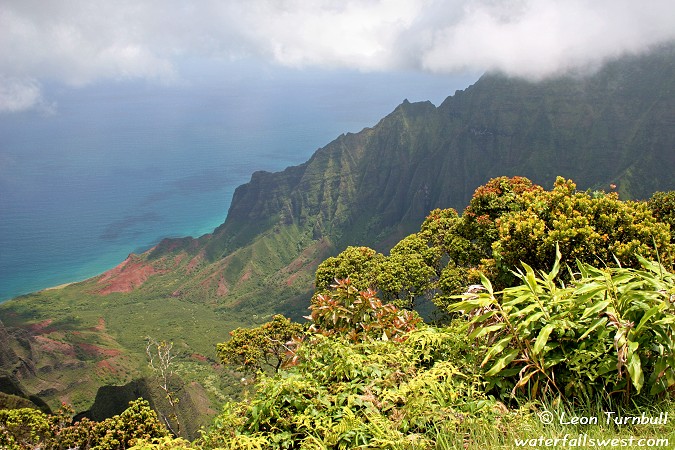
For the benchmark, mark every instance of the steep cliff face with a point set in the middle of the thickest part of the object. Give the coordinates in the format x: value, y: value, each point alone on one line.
x: 13, y: 368
x: 614, y: 127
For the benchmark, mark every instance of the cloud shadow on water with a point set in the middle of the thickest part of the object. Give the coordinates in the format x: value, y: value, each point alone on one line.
x: 125, y: 226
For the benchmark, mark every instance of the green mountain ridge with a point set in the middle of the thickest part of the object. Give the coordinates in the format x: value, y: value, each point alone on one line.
x: 397, y: 170
x: 616, y: 127
x: 371, y: 187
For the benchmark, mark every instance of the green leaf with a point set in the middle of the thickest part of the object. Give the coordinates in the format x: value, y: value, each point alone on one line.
x: 592, y: 310
x: 530, y: 278
x: 536, y: 316
x: 634, y: 366
x: 542, y: 339
x: 556, y: 265
x: 648, y: 315
x: 523, y: 380
x: 596, y: 324
x: 482, y: 318
x: 486, y: 283
x: 496, y: 349
x: 588, y: 291
x: 478, y: 332
x: 470, y: 304
x: 502, y: 362
x: 670, y: 319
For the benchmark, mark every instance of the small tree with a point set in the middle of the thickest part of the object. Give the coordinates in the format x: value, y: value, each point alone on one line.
x: 662, y: 205
x: 359, y: 264
x: 28, y: 428
x: 266, y: 346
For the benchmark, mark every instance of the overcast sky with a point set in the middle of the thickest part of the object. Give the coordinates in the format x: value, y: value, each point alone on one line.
x: 80, y: 42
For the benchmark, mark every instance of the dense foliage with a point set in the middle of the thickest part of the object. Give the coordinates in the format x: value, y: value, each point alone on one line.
x: 509, y: 221
x: 365, y: 394
x: 594, y: 331
x: 662, y: 205
x: 29, y: 429
x: 608, y: 333
x: 365, y: 188
x: 359, y: 315
x: 260, y: 348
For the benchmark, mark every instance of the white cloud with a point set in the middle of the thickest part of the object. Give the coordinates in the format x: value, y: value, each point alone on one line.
x: 82, y: 41
x: 540, y: 38
x: 78, y: 42
x: 22, y: 94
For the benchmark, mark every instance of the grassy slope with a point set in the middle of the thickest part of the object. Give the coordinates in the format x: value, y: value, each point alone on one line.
x: 81, y: 340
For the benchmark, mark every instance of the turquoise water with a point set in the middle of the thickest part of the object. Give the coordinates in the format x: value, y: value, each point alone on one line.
x: 118, y: 167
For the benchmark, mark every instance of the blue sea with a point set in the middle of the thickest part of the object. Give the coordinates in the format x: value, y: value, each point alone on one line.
x: 117, y: 166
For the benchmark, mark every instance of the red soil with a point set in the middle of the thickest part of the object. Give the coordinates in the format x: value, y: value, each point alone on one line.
x: 100, y: 326
x: 127, y: 276
x: 222, y: 288
x: 96, y: 351
x: 52, y: 346
x: 194, y: 262
x: 199, y: 357
x: 40, y: 327
x: 105, y: 366
x: 290, y: 280
x: 246, y: 276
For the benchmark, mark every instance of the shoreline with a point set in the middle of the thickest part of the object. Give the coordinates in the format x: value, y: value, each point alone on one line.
x: 59, y: 286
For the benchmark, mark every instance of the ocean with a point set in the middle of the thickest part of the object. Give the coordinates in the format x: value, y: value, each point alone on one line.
x: 115, y: 167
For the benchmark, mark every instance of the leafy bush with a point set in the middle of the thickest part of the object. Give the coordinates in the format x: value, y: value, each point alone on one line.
x: 24, y: 428
x: 359, y: 315
x: 163, y: 443
x: 608, y: 332
x: 507, y: 221
x: 29, y: 429
x: 662, y: 205
x: 364, y: 394
x: 359, y: 264
x: 595, y: 228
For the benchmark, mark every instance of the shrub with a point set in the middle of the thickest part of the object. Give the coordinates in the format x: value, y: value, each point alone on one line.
x: 359, y: 315
x: 366, y: 394
x: 24, y: 428
x: 608, y: 332
x: 29, y: 429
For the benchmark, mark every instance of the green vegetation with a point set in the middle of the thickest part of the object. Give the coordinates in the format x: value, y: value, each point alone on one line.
x: 363, y: 194
x: 29, y: 428
x: 569, y: 338
x: 260, y: 348
x: 508, y: 221
x: 604, y: 337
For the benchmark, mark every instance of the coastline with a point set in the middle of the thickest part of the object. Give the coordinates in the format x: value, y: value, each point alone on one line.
x: 59, y: 286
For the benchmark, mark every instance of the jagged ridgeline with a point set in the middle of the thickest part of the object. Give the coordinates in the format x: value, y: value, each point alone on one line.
x: 615, y: 127
x: 372, y: 187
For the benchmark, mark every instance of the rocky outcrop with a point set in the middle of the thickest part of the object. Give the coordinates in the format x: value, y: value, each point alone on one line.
x: 13, y: 367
